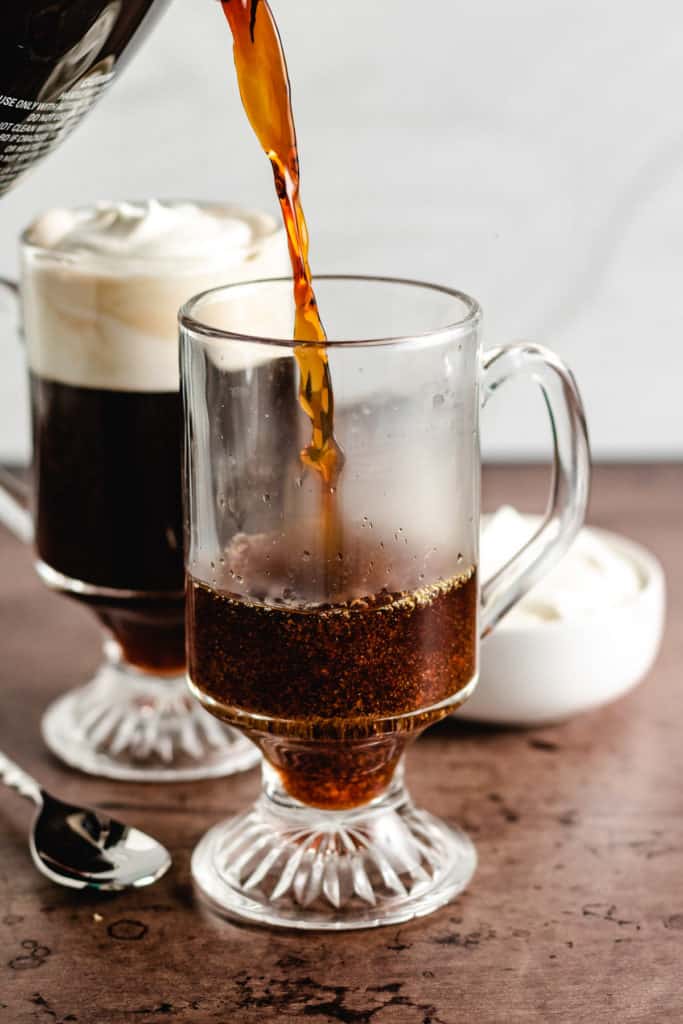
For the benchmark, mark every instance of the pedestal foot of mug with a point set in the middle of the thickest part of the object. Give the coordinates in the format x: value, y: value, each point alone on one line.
x: 131, y: 726
x: 285, y: 864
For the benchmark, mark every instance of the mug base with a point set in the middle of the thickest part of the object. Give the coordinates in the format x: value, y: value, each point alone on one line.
x: 286, y: 865
x: 134, y: 727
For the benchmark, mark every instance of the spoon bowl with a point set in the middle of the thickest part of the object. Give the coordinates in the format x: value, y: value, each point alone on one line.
x: 81, y: 848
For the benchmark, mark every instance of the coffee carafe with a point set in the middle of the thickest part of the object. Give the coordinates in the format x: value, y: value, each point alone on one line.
x: 57, y: 57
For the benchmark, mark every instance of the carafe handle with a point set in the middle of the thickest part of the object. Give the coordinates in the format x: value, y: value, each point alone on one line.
x: 570, y: 482
x: 14, y: 493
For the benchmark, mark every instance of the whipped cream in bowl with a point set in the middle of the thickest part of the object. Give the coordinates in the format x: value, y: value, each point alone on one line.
x: 583, y: 636
x: 102, y: 286
x: 592, y: 576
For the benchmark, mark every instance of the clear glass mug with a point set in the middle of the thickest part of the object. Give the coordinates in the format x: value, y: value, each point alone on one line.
x: 101, y: 338
x: 332, y: 625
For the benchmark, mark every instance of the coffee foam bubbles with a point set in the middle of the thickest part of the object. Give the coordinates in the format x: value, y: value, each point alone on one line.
x: 101, y: 288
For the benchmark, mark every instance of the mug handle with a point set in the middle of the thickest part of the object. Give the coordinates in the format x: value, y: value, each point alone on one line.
x: 14, y: 493
x: 571, y: 473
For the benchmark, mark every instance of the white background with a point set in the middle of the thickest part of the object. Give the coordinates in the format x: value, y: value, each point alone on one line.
x: 530, y: 153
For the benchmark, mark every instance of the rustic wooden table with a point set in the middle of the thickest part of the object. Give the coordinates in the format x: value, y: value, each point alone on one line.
x: 575, y: 913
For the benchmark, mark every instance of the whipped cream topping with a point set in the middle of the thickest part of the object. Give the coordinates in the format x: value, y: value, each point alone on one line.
x: 102, y: 287
x: 154, y: 231
x: 591, y: 576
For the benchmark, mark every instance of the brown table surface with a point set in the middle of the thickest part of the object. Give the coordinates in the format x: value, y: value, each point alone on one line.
x: 575, y: 913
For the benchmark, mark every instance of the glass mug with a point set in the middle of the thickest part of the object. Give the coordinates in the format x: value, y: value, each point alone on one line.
x: 333, y: 624
x: 102, y: 346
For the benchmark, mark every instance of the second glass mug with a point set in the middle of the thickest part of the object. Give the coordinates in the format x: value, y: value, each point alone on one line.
x: 101, y: 339
x: 332, y: 625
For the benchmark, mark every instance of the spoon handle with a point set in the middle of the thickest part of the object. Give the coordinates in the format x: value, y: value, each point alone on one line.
x: 16, y: 778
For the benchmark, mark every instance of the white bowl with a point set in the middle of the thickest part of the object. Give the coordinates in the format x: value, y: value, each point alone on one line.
x: 543, y: 673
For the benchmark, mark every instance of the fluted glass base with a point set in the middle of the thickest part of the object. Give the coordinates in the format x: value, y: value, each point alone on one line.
x: 134, y: 726
x: 282, y: 863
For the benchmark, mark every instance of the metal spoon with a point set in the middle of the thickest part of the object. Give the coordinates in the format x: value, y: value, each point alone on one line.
x: 80, y: 848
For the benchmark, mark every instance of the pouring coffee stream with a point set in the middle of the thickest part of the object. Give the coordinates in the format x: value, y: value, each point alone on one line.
x: 266, y: 95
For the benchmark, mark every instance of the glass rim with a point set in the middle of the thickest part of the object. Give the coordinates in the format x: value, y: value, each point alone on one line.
x: 472, y: 316
x: 135, y: 263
